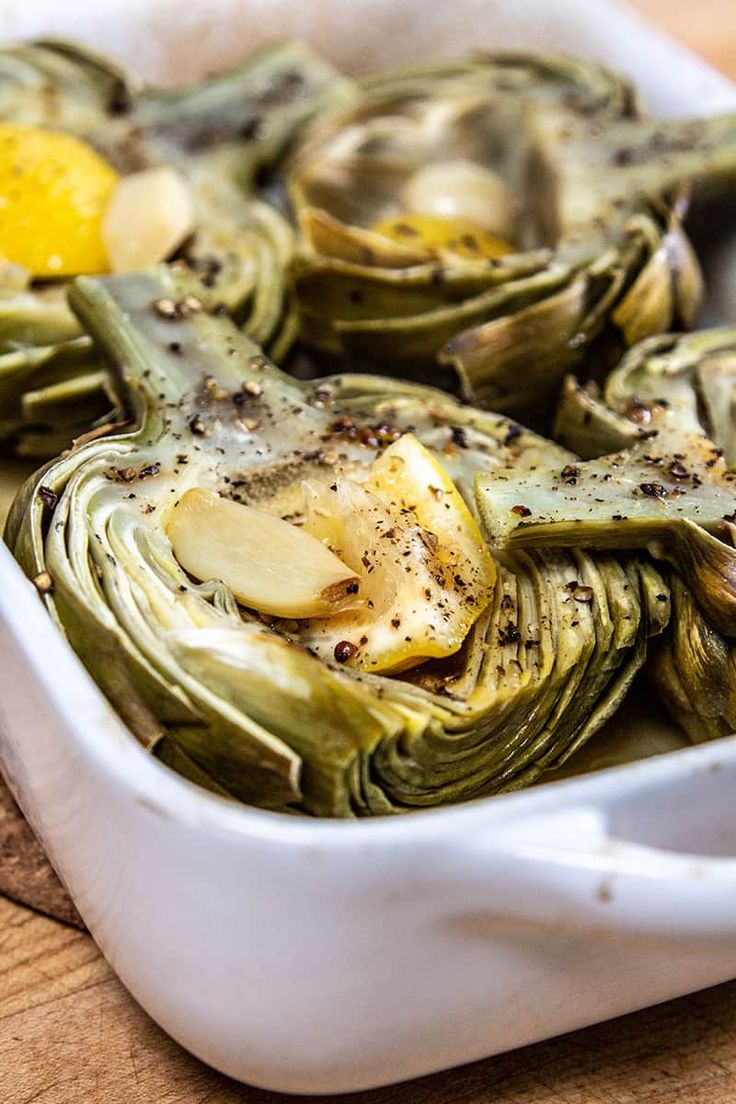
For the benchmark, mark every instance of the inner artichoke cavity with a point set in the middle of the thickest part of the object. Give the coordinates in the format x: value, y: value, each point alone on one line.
x: 387, y: 569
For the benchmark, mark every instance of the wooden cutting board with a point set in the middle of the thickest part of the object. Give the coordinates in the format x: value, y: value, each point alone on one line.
x: 70, y: 1034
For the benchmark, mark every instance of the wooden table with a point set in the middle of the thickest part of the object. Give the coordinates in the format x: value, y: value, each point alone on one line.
x: 70, y: 1034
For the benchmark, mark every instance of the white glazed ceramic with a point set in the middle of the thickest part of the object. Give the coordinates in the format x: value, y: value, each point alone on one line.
x: 316, y: 956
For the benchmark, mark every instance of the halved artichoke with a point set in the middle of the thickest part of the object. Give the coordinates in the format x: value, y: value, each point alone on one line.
x: 549, y: 153
x: 670, y: 406
x: 238, y: 698
x: 217, y: 135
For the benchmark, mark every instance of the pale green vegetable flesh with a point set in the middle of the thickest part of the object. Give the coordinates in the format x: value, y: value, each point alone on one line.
x: 598, y: 195
x: 218, y: 134
x: 670, y: 491
x: 237, y: 702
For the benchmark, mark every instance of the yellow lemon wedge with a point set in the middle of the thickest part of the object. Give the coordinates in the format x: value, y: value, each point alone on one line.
x: 54, y: 191
x: 425, y: 571
x: 440, y: 235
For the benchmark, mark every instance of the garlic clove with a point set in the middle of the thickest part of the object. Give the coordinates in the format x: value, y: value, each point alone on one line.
x: 270, y: 565
x: 149, y: 216
x: 462, y: 190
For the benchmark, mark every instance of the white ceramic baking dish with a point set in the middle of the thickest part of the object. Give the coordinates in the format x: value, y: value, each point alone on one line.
x: 314, y: 956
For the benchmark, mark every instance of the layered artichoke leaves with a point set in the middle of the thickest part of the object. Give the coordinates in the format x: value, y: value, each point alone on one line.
x: 245, y: 702
x: 216, y: 136
x: 668, y: 488
x: 563, y: 568
x: 552, y: 156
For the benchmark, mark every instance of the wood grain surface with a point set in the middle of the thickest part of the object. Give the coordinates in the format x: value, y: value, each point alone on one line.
x: 70, y: 1034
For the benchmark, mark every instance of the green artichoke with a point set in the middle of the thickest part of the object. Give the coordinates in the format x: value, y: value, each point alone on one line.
x: 214, y: 678
x: 550, y: 154
x: 218, y: 134
x: 669, y: 407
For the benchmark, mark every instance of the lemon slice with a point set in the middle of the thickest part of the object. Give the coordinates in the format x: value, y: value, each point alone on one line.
x: 425, y: 572
x: 54, y: 191
x: 459, y: 237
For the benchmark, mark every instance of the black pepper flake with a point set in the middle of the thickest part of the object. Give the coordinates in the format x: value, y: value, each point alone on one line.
x: 730, y: 517
x: 120, y: 101
x: 521, y: 511
x: 405, y: 230
x: 512, y: 433
x: 208, y: 268
x: 254, y: 127
x: 459, y: 436
x: 661, y: 597
x: 149, y: 470
x: 344, y: 651
x: 570, y: 474
x: 352, y: 588
x: 48, y: 497
x: 396, y: 622
x: 678, y: 470
x: 174, y: 347
x: 622, y: 157
x: 196, y: 426
x: 509, y: 635
x: 653, y: 490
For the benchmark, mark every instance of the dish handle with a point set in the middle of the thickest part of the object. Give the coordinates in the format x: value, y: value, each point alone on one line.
x: 575, y: 870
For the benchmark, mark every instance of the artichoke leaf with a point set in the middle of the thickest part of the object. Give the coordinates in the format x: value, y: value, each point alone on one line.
x: 238, y: 694
x: 580, y: 173
x: 219, y: 133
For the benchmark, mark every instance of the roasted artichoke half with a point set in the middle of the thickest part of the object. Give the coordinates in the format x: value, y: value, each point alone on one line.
x: 494, y: 223
x: 75, y: 127
x: 283, y: 587
x: 670, y: 488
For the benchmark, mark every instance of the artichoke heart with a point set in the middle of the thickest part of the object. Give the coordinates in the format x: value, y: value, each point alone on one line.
x: 523, y: 656
x: 496, y: 222
x: 670, y: 489
x: 103, y: 173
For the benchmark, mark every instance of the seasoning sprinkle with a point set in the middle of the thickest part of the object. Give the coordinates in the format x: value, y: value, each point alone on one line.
x: 48, y: 497
x: 344, y: 651
x: 653, y: 490
x: 43, y: 583
x: 165, y: 308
